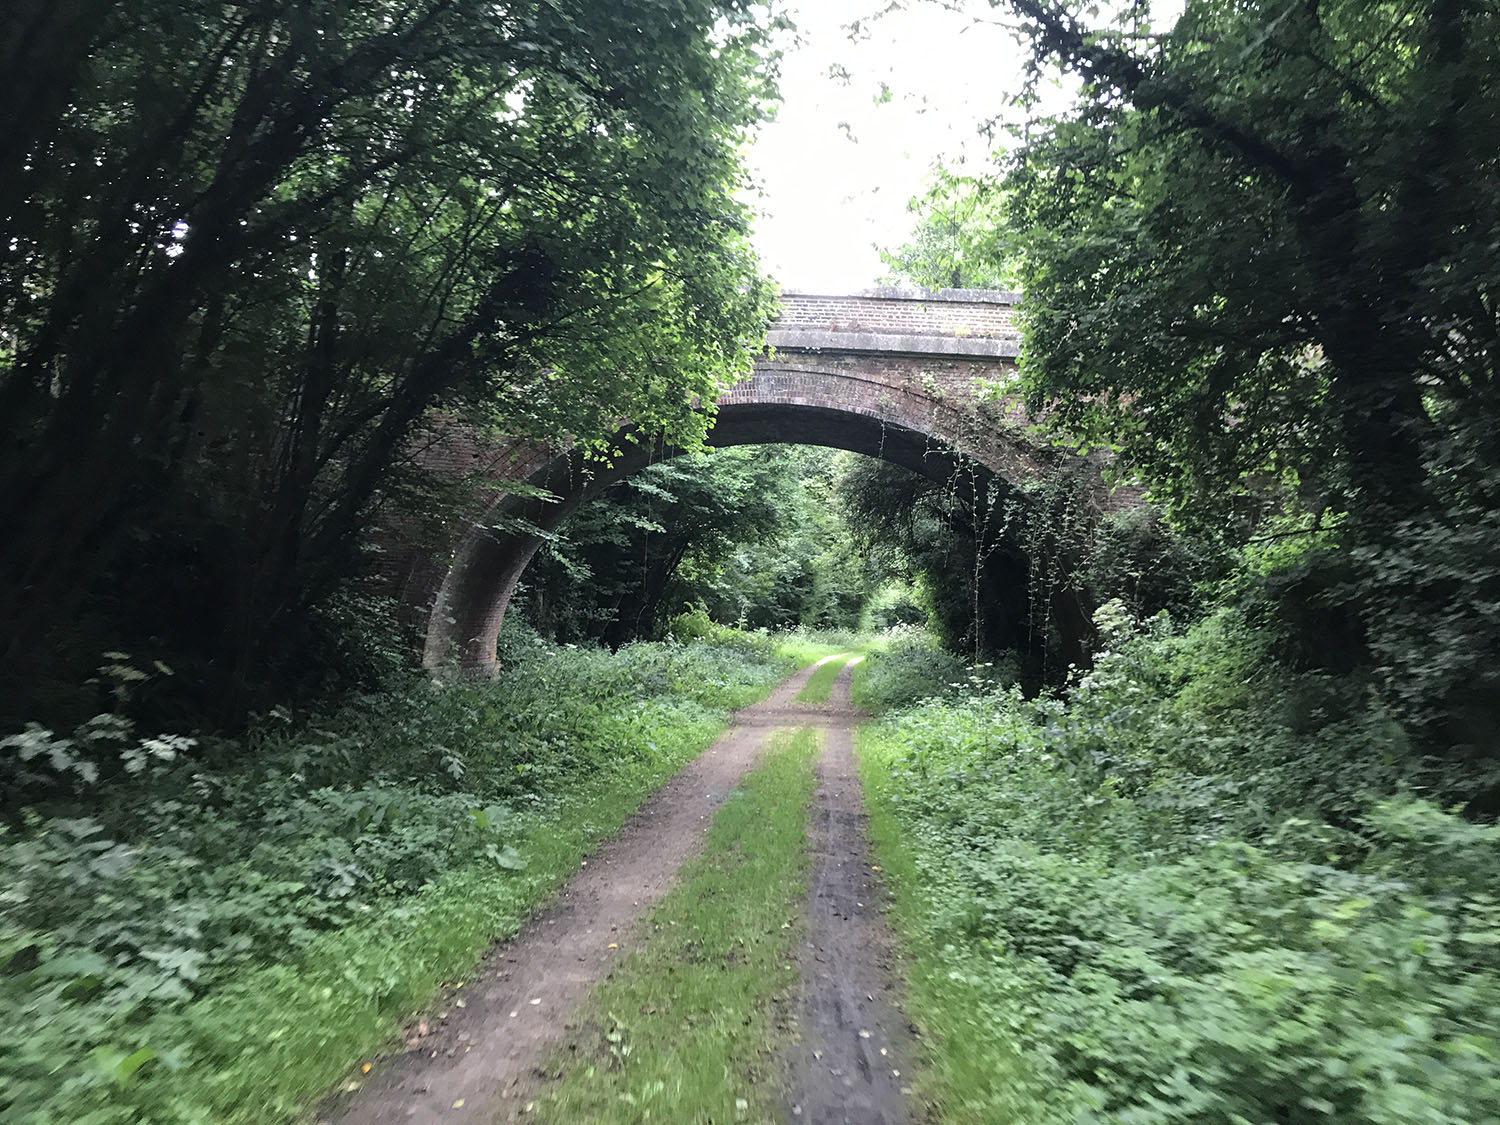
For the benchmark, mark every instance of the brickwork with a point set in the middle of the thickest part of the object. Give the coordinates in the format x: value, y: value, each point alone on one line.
x: 959, y: 313
x: 907, y: 376
x: 935, y: 396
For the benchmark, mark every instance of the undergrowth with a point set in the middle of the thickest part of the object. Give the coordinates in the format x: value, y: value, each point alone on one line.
x: 905, y: 673
x: 212, y: 931
x: 686, y: 1028
x: 1196, y: 888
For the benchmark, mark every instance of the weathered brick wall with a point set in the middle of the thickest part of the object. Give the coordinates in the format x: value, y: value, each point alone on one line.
x: 938, y: 396
x: 418, y: 551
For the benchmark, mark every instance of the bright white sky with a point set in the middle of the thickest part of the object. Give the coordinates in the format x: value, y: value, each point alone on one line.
x: 837, y: 168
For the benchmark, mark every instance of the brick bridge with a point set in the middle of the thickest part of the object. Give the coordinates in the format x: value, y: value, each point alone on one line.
x: 889, y: 373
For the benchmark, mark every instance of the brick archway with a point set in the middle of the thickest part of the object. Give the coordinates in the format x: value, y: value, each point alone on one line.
x: 901, y: 375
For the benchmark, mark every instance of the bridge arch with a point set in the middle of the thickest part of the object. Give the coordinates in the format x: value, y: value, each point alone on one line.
x: 893, y: 374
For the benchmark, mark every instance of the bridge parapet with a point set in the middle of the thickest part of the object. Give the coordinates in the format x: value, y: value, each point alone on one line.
x: 966, y: 322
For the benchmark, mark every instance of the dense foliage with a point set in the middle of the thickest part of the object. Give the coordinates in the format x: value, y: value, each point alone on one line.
x: 1258, y: 257
x: 1243, y: 868
x: 1264, y: 244
x: 248, y: 251
x: 753, y: 536
x: 1013, y: 569
x: 911, y: 668
x: 1194, y: 889
x: 954, y: 536
x: 150, y: 881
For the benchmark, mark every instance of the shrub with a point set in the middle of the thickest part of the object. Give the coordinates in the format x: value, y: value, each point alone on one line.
x: 906, y: 673
x: 1197, y: 888
x: 692, y: 624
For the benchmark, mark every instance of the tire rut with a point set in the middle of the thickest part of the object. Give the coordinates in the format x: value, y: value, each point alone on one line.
x: 855, y: 1043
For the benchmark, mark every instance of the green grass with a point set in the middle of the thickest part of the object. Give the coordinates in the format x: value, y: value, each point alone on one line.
x: 967, y: 1069
x: 817, y: 689
x: 690, y: 1025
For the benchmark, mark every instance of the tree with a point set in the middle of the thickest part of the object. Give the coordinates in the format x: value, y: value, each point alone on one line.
x: 250, y: 251
x: 1264, y: 246
x: 960, y: 539
x: 959, y: 241
x: 749, y: 534
x: 1261, y: 259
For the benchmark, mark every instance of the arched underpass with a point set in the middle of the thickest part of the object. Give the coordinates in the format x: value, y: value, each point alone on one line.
x: 903, y: 376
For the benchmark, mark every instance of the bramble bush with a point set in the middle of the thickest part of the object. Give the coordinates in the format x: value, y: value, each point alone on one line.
x: 142, y: 877
x: 1196, y: 888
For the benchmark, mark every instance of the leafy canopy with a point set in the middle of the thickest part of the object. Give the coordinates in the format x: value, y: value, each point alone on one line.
x: 1262, y: 248
x: 249, y: 252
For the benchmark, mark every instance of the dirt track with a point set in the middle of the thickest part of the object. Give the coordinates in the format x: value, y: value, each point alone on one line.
x: 855, y: 1043
x: 483, y: 1053
x: 479, y: 1063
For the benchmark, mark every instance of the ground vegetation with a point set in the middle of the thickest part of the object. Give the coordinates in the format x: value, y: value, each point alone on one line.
x: 214, y: 929
x: 1197, y: 886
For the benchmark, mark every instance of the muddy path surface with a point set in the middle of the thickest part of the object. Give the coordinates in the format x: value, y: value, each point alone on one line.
x: 855, y: 1044
x: 478, y: 1058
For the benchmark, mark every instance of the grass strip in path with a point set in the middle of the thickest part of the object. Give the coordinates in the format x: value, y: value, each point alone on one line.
x: 821, y: 684
x: 690, y: 1025
x: 800, y: 651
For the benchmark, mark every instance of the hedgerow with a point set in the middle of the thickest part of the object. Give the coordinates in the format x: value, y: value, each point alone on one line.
x: 1193, y: 889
